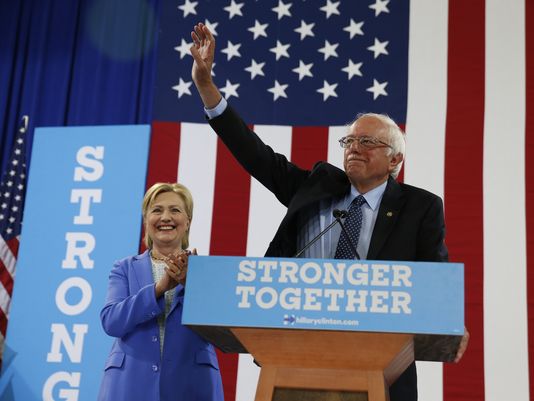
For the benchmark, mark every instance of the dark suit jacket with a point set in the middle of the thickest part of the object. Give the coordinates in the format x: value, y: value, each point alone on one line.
x: 410, y: 223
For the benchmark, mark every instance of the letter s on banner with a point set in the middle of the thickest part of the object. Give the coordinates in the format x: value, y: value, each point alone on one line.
x: 247, y: 271
x: 97, y: 167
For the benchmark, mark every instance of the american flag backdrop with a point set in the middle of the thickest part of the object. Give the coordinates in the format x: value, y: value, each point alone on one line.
x: 454, y: 73
x: 12, y: 191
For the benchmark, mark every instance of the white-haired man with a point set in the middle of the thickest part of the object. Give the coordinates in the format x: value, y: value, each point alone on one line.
x: 396, y: 221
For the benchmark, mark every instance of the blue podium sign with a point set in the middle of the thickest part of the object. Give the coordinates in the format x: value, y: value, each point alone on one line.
x: 82, y: 212
x: 325, y: 294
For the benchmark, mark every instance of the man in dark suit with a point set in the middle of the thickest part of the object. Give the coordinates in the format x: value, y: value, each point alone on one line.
x: 397, y: 221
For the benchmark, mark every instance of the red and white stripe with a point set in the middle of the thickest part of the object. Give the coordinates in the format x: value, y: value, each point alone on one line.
x: 8, y: 261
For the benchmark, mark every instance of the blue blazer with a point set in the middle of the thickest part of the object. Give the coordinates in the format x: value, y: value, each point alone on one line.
x: 187, y: 370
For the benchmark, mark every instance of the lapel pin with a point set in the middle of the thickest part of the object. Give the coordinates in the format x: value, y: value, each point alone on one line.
x: 389, y: 214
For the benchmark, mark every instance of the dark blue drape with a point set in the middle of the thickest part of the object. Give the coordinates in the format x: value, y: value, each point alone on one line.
x: 75, y: 62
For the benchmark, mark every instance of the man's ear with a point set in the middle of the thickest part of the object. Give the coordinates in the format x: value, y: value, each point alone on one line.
x: 395, y: 160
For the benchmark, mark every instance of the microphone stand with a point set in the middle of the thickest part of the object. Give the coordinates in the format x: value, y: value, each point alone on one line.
x: 313, y: 241
x: 338, y: 215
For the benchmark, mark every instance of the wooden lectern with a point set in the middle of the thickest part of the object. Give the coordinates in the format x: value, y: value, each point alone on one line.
x: 315, y: 364
x: 331, y: 361
x: 335, y: 361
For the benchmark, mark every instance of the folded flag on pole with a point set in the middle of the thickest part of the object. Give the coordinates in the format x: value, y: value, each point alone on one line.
x: 12, y: 191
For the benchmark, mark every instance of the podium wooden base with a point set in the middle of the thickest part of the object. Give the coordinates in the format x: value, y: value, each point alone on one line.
x: 286, y: 394
x: 337, y: 362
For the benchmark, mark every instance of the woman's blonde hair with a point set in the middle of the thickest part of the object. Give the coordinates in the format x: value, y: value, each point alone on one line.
x: 160, y: 188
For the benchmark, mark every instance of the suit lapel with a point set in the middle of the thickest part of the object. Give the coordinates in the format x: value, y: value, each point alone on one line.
x: 142, y: 269
x: 178, y: 297
x: 392, y: 202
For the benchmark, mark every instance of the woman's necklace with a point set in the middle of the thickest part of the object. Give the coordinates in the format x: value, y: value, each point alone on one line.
x: 162, y: 258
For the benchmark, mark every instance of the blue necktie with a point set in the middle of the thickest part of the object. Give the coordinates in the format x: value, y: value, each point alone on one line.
x: 353, y: 225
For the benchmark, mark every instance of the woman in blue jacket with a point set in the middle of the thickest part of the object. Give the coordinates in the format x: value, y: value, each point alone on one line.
x: 154, y: 357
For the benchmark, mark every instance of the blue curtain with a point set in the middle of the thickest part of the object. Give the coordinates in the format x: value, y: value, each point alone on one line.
x: 75, y: 62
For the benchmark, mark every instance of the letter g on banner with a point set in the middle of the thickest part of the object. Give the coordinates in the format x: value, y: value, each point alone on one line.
x: 73, y: 380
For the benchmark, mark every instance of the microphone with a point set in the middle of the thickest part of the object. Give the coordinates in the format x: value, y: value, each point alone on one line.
x: 338, y: 215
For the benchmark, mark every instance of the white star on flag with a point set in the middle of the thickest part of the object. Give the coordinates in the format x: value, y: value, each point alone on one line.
x: 304, y: 70
x: 278, y: 90
x: 305, y: 29
x: 354, y: 28
x: 328, y: 90
x: 183, y: 49
x: 330, y: 8
x: 379, y: 47
x: 378, y: 89
x: 280, y: 50
x: 380, y: 6
x: 188, y: 7
x: 352, y: 69
x: 212, y: 26
x: 258, y: 29
x: 230, y: 89
x: 182, y: 88
x: 329, y: 50
x: 232, y: 50
x: 282, y: 9
x: 255, y: 69
x: 234, y: 9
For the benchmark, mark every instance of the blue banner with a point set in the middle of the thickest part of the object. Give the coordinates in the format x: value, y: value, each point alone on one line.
x: 325, y: 294
x: 82, y: 212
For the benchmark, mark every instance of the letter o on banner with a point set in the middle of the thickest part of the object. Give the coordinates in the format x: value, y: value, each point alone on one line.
x: 271, y: 293
x: 64, y: 287
x: 315, y: 270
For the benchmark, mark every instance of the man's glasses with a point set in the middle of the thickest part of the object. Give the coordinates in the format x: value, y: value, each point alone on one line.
x: 367, y: 142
